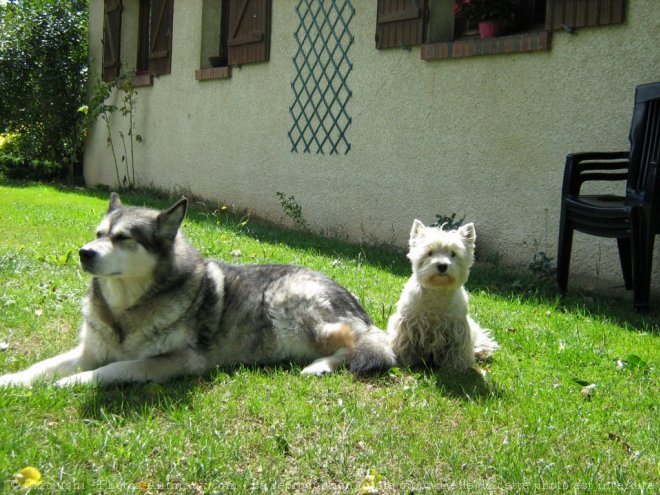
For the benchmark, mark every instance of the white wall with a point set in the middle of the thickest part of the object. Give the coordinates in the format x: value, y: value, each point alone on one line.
x: 484, y: 137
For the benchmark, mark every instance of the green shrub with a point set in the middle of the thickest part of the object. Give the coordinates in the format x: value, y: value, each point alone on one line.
x: 19, y: 168
x: 43, y: 74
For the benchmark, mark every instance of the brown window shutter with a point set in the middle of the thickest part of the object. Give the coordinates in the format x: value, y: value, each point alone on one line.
x: 248, y: 39
x: 142, y: 65
x: 112, y: 10
x: 160, y: 37
x: 399, y: 23
x: 570, y: 14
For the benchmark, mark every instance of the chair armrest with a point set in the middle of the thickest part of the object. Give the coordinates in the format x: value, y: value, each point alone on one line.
x: 599, y: 155
x: 593, y: 166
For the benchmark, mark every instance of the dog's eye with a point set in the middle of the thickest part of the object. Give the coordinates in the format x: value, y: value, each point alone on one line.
x: 430, y: 253
x: 99, y: 235
x: 121, y: 237
x: 453, y: 254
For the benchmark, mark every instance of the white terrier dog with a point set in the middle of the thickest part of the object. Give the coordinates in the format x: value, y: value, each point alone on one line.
x: 431, y: 324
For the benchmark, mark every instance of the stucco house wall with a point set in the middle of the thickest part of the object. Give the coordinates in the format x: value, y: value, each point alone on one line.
x: 484, y: 137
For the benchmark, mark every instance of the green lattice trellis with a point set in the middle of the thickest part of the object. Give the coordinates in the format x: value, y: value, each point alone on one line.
x: 322, y: 67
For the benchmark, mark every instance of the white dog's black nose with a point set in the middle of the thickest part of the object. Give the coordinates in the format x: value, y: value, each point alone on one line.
x: 442, y: 267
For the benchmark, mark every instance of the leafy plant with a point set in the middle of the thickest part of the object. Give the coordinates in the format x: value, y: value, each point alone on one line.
x: 448, y: 222
x: 128, y: 110
x: 543, y: 267
x: 99, y: 108
x: 292, y: 210
x: 476, y: 11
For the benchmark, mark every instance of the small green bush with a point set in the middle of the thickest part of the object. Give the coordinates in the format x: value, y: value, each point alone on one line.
x: 19, y: 168
x: 43, y: 77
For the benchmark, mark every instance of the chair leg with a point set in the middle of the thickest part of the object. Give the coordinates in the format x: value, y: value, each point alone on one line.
x: 642, y: 291
x: 626, y: 261
x: 564, y: 245
x: 642, y: 259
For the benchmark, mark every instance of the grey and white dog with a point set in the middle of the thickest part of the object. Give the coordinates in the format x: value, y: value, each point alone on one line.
x: 157, y: 310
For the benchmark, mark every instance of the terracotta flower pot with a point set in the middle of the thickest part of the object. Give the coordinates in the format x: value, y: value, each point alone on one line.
x: 489, y: 29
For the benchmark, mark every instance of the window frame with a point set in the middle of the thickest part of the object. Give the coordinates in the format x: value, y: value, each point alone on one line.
x: 444, y: 35
x: 154, y: 46
x: 112, y: 24
x: 400, y: 23
x: 244, y: 37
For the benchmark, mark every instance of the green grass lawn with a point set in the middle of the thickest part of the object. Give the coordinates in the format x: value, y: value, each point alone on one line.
x: 569, y: 405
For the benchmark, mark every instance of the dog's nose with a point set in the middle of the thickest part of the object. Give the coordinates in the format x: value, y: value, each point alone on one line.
x: 86, y: 254
x: 442, y: 267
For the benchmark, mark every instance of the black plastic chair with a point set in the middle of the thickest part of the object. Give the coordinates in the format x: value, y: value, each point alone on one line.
x: 632, y: 219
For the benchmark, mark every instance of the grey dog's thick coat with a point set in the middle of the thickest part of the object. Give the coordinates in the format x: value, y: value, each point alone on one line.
x: 174, y: 313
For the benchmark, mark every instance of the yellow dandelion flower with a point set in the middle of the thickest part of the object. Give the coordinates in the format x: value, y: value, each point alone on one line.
x: 28, y: 477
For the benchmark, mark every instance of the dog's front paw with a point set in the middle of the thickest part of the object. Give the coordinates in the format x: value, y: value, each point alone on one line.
x: 19, y: 379
x: 78, y: 378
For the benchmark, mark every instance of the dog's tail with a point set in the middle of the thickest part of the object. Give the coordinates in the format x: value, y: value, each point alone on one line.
x: 372, y: 351
x: 484, y: 343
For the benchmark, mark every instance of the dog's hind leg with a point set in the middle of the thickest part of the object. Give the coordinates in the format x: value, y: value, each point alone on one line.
x: 327, y: 364
x: 335, y: 343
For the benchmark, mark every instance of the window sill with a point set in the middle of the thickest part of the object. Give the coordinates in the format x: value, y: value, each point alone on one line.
x: 213, y: 73
x: 469, y: 47
x: 137, y: 81
x: 143, y: 80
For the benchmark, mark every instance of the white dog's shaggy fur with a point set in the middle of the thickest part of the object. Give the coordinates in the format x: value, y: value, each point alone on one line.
x: 431, y: 324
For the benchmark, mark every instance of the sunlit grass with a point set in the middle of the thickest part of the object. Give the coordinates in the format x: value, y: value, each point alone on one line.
x: 569, y: 405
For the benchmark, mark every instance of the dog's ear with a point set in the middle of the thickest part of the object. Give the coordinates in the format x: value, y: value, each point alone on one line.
x: 416, y: 232
x: 467, y: 232
x: 115, y: 202
x: 169, y: 221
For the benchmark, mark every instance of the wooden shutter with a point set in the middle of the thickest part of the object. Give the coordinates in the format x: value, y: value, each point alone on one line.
x: 160, y: 36
x: 570, y: 14
x: 112, y: 10
x: 248, y: 39
x: 399, y: 23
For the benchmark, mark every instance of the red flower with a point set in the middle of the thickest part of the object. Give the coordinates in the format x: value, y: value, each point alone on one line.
x: 456, y: 9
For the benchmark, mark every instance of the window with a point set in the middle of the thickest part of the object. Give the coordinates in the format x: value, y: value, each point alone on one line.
x: 242, y: 28
x: 234, y: 33
x: 571, y: 14
x: 112, y: 10
x: 155, y: 37
x: 432, y: 24
x: 399, y: 23
x: 248, y: 31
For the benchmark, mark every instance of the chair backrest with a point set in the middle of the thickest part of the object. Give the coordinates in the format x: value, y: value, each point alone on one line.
x: 644, y: 135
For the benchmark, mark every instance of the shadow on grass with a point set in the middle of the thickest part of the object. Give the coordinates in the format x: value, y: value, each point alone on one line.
x: 136, y: 401
x: 129, y: 400
x: 519, y: 286
x: 140, y: 399
x: 469, y: 386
